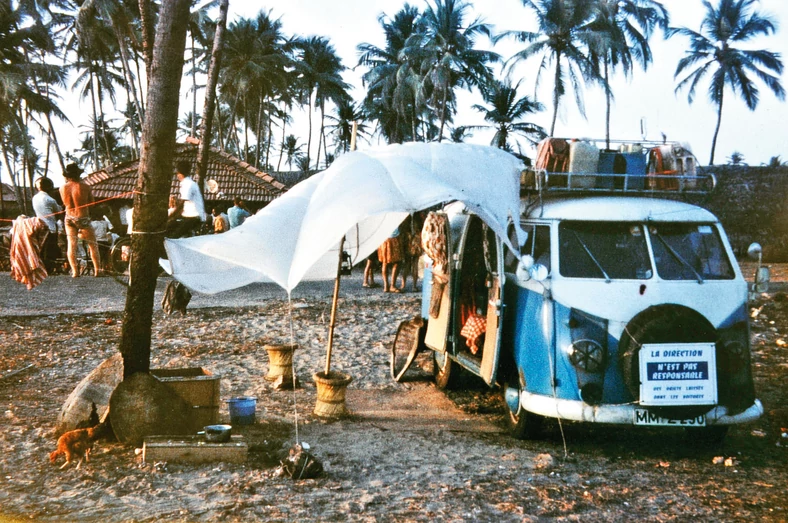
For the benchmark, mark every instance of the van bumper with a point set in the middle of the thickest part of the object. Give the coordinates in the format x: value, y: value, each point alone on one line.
x: 621, y: 414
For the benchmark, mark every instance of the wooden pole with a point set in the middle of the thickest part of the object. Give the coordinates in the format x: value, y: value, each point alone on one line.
x: 334, y: 302
x: 335, y: 299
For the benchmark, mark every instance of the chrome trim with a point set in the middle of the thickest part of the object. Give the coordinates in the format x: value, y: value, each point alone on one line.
x: 576, y: 410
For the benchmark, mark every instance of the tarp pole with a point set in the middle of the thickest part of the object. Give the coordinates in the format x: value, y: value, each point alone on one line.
x: 334, y: 302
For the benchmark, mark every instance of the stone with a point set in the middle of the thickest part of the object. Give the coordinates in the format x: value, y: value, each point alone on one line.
x: 143, y: 406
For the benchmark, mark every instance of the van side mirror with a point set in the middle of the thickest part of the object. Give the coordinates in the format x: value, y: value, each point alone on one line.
x: 527, y: 269
x: 754, y: 251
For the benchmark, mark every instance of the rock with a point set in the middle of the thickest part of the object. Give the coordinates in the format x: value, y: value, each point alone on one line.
x: 143, y: 406
x: 95, y: 389
x: 544, y: 461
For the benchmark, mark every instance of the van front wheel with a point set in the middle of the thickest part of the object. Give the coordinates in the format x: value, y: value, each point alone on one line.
x: 522, y: 424
x: 446, y: 372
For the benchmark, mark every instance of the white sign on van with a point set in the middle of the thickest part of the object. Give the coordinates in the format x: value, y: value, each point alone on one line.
x: 678, y: 374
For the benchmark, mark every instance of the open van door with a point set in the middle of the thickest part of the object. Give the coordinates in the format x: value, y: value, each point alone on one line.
x: 492, y: 340
x: 436, y: 238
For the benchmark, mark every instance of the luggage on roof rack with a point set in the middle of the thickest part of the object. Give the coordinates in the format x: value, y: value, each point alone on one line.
x: 632, y: 167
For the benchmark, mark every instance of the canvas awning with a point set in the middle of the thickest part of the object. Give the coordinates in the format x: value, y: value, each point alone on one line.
x: 364, y: 195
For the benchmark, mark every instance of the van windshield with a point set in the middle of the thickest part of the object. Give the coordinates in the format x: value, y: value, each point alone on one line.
x: 689, y: 251
x: 606, y: 250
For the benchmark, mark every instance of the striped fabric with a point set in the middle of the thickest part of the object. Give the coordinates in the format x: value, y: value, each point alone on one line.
x: 27, y: 238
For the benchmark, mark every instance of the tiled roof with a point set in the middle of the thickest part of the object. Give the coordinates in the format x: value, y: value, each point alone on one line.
x: 8, y: 194
x: 233, y: 177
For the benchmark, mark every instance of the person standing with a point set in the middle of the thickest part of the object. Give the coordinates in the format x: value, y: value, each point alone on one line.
x: 77, y: 196
x: 193, y: 210
x: 48, y: 210
x: 390, y: 255
x: 221, y: 223
x: 237, y: 213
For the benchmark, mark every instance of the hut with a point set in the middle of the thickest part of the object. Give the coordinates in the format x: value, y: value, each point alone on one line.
x: 226, y: 178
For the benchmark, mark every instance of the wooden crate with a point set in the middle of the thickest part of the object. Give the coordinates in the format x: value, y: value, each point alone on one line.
x: 197, y: 387
x: 193, y: 449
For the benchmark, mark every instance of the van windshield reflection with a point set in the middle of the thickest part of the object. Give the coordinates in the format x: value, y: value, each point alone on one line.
x: 604, y: 250
x: 689, y: 251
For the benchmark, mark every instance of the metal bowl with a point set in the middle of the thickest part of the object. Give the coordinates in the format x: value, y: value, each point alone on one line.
x: 216, y: 433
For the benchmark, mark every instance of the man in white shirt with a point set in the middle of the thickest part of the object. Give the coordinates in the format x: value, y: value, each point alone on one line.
x: 193, y: 213
x: 47, y: 209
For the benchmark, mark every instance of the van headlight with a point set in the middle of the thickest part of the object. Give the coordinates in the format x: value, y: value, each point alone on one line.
x: 588, y: 355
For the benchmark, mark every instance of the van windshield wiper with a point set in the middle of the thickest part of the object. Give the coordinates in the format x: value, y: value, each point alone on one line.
x: 591, y: 255
x: 678, y: 256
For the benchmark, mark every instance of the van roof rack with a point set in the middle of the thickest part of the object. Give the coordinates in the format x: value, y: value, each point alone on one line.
x: 675, y: 180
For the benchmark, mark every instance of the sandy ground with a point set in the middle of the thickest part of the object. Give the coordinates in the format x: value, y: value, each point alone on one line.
x: 408, y: 453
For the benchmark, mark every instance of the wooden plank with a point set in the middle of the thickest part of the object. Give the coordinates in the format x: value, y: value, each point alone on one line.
x: 193, y: 449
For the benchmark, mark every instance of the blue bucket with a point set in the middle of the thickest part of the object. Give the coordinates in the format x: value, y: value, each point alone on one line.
x: 242, y: 410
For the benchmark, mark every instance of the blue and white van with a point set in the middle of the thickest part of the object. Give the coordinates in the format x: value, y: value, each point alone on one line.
x: 624, y: 307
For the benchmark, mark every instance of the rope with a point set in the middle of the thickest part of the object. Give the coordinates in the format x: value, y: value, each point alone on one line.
x: 292, y: 367
x: 97, y: 202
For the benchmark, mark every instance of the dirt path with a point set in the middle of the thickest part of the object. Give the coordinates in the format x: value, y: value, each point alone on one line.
x: 408, y: 453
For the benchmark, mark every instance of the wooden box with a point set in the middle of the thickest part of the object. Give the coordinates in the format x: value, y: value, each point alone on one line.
x: 193, y: 449
x: 199, y: 388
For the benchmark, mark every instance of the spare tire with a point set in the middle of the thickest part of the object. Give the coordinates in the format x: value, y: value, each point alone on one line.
x: 662, y: 324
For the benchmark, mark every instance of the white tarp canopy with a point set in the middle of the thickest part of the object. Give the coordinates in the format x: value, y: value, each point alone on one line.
x: 363, y: 195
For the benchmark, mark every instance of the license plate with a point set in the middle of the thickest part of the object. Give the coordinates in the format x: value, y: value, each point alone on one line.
x: 644, y: 417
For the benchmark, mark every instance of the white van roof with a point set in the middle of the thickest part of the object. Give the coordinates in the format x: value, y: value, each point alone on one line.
x: 618, y: 208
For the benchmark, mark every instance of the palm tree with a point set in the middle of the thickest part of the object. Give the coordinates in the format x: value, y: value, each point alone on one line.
x: 22, y: 42
x: 563, y: 38
x: 255, y: 62
x: 292, y: 150
x: 319, y: 68
x: 713, y: 51
x: 345, y: 113
x: 504, y: 112
x: 201, y: 30
x: 391, y: 91
x: 446, y: 55
x: 624, y: 28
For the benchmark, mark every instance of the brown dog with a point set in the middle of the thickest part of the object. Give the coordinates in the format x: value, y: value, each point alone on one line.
x: 73, y: 443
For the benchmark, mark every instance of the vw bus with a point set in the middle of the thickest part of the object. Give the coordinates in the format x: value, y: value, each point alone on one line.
x: 625, y: 305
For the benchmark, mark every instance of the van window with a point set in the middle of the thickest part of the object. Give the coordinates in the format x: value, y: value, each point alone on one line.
x: 537, y: 244
x: 604, y: 250
x: 689, y: 251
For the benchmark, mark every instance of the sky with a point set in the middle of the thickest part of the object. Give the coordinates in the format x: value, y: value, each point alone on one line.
x: 645, y: 96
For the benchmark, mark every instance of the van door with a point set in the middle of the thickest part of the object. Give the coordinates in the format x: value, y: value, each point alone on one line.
x: 436, y: 238
x: 492, y: 340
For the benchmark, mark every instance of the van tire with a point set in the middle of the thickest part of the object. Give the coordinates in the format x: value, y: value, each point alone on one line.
x: 447, y: 373
x: 521, y: 423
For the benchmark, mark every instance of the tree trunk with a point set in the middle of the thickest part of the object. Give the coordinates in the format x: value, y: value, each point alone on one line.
x: 556, y: 96
x: 607, y: 106
x: 282, y: 147
x: 124, y: 60
x: 95, y: 120
x: 443, y: 111
x: 320, y: 135
x: 194, y: 90
x: 259, y: 130
x: 716, y: 131
x: 153, y: 183
x: 269, y: 138
x: 103, y: 125
x: 147, y: 22
x: 210, y: 96
x: 309, y: 139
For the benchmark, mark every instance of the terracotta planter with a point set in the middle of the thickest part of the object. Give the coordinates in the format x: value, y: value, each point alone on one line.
x: 280, y: 361
x: 331, y: 390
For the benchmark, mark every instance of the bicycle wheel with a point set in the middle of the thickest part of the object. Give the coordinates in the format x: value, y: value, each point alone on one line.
x: 120, y: 256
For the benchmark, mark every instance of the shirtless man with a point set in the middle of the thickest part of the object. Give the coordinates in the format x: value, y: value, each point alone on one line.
x: 76, y: 197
